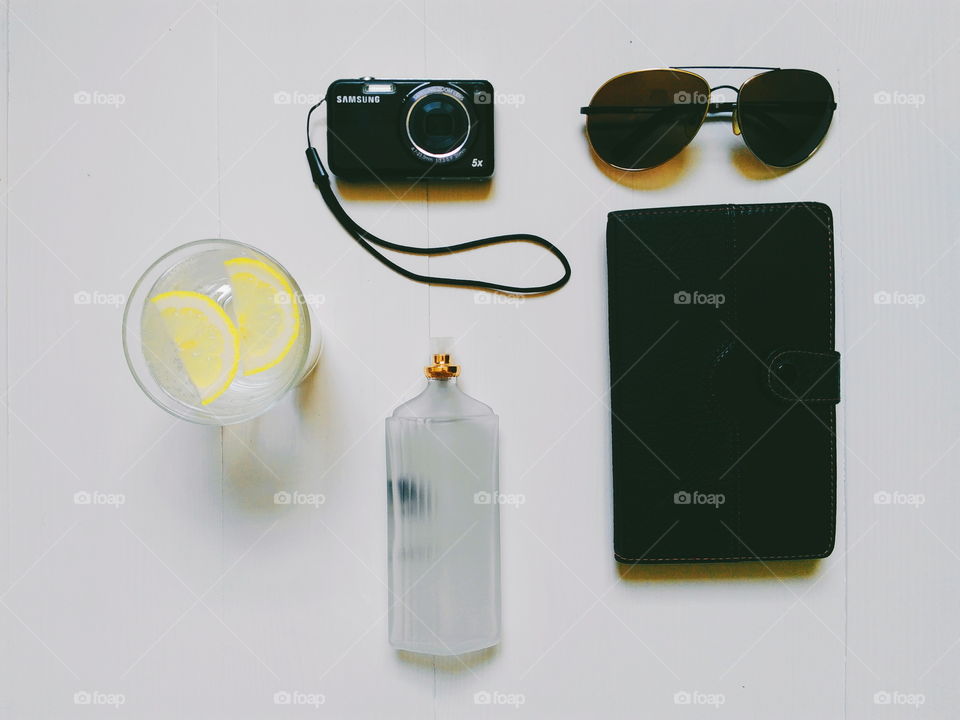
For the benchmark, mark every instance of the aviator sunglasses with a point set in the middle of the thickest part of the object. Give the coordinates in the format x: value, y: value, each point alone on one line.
x: 641, y: 119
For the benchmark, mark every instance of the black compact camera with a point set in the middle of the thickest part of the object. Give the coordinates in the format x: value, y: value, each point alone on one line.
x: 410, y: 129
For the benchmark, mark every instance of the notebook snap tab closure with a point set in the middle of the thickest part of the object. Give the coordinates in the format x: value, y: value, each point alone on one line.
x: 804, y: 376
x: 787, y: 371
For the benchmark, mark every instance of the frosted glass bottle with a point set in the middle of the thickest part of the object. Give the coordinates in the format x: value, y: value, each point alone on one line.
x: 443, y: 519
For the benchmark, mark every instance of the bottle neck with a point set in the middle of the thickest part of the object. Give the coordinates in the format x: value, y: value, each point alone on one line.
x: 443, y: 390
x: 441, y: 384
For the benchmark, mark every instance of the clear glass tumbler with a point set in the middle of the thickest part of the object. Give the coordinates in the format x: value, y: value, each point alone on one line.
x: 216, y: 332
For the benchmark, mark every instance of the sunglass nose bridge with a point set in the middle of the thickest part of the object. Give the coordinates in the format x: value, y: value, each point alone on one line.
x: 715, y: 108
x: 725, y: 87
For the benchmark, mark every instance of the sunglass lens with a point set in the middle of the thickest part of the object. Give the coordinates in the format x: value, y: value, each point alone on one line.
x: 784, y: 115
x: 642, y: 119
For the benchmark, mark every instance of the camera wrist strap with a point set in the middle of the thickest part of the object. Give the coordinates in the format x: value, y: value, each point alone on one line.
x: 368, y: 240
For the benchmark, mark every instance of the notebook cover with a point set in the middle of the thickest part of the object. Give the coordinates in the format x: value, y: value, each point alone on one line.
x: 724, y: 382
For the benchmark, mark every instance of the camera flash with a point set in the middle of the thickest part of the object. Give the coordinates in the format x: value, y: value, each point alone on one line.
x: 378, y: 88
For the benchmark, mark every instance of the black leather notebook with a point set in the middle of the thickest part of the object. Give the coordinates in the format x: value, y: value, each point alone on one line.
x: 724, y: 382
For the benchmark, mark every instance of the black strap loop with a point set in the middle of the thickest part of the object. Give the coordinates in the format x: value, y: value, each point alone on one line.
x: 367, y: 240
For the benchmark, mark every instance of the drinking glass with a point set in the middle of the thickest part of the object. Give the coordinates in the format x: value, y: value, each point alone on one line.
x: 217, y: 331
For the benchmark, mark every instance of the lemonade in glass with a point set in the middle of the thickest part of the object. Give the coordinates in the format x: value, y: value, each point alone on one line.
x: 217, y: 332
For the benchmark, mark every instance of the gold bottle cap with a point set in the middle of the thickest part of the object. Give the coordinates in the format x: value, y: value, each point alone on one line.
x: 441, y: 368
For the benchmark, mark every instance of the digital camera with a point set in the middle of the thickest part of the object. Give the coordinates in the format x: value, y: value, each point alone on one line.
x: 410, y: 129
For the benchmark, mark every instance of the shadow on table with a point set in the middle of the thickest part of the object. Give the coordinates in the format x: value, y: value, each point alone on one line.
x: 434, y: 191
x: 453, y: 664
x: 268, y: 455
x: 766, y: 570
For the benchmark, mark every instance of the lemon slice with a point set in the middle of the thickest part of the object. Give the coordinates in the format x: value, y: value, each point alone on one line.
x: 205, y: 337
x: 267, y: 313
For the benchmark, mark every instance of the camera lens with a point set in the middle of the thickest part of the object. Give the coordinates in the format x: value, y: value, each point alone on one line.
x: 438, y: 123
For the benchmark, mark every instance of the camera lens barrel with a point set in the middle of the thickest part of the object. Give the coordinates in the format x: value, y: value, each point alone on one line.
x: 439, y: 123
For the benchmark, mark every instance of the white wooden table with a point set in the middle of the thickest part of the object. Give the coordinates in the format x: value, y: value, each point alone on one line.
x: 182, y: 590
